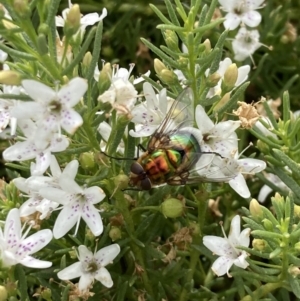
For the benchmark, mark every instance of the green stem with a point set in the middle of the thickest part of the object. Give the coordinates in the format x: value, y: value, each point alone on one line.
x: 123, y: 208
x: 262, y: 291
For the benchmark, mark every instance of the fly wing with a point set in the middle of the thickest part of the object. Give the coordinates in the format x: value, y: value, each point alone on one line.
x: 180, y: 114
x: 209, y: 168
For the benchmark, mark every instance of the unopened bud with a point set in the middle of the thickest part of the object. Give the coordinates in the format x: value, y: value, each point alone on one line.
x: 87, y: 59
x: 263, y: 147
x: 171, y: 40
x: 297, y: 246
x: 268, y: 225
x: 42, y: 44
x: 294, y: 271
x: 22, y: 8
x: 121, y: 181
x: 255, y: 210
x: 115, y: 233
x: 296, y: 211
x: 172, y: 208
x: 46, y: 294
x: 159, y: 66
x: 72, y: 23
x: 169, y: 77
x: 230, y: 78
x: 43, y: 29
x: 3, y: 293
x: 104, y: 80
x: 87, y: 160
x: 259, y: 244
x: 222, y: 102
x: 10, y: 77
x: 213, y: 79
x: 195, y: 228
x: 207, y: 45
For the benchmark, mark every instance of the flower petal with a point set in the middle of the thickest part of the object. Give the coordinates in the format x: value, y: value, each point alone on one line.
x: 94, y: 194
x: 85, y: 281
x: 251, y: 18
x: 20, y: 151
x: 104, y: 277
x: 243, y: 72
x: 218, y: 245
x: 66, y: 219
x: 31, y: 262
x: 204, y: 123
x: 38, y: 91
x: 251, y: 166
x: 71, y: 272
x: 12, y: 228
x: 85, y: 254
x: 71, y: 169
x: 92, y: 218
x: 106, y: 255
x: 241, y: 261
x: 70, y: 120
x: 71, y: 93
x: 232, y: 21
x: 238, y: 183
x: 222, y: 265
x: 36, y: 241
x: 263, y: 193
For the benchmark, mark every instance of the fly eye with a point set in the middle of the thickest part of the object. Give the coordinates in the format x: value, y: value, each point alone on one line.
x: 146, y: 184
x: 136, y: 168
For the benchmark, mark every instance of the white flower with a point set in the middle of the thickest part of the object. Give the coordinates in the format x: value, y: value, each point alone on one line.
x: 121, y: 94
x: 33, y: 184
x: 52, y: 109
x: 89, y: 19
x: 226, y: 248
x: 6, y: 13
x: 262, y: 128
x: 15, y: 248
x: 6, y: 106
x: 235, y: 168
x: 243, y: 72
x: 245, y: 43
x: 220, y: 137
x: 91, y: 266
x: 241, y: 11
x: 77, y: 203
x: 149, y: 114
x: 34, y: 147
x: 266, y: 190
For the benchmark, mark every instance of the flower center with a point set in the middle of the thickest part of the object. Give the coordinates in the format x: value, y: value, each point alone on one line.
x: 55, y: 106
x: 92, y: 267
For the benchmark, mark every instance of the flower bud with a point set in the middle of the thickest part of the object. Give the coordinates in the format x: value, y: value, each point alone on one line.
x: 169, y: 77
x: 42, y: 44
x: 222, y: 102
x: 104, y: 80
x: 195, y: 228
x: 72, y: 23
x: 87, y: 59
x: 230, y: 78
x: 259, y: 244
x: 3, y: 293
x: 115, y: 233
x: 87, y: 160
x: 172, y: 208
x: 43, y: 29
x: 263, y: 147
x: 297, y: 246
x: 294, y: 271
x: 22, y: 8
x: 121, y: 181
x: 268, y: 225
x: 207, y: 45
x: 296, y: 211
x: 159, y: 66
x: 171, y: 39
x: 46, y: 294
x: 182, y: 61
x: 255, y: 210
x: 10, y: 77
x: 213, y: 79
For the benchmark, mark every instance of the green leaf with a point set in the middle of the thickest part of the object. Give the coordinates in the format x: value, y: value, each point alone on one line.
x: 22, y: 282
x: 295, y: 285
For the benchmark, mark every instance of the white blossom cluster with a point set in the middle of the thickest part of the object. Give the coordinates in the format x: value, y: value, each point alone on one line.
x: 243, y: 13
